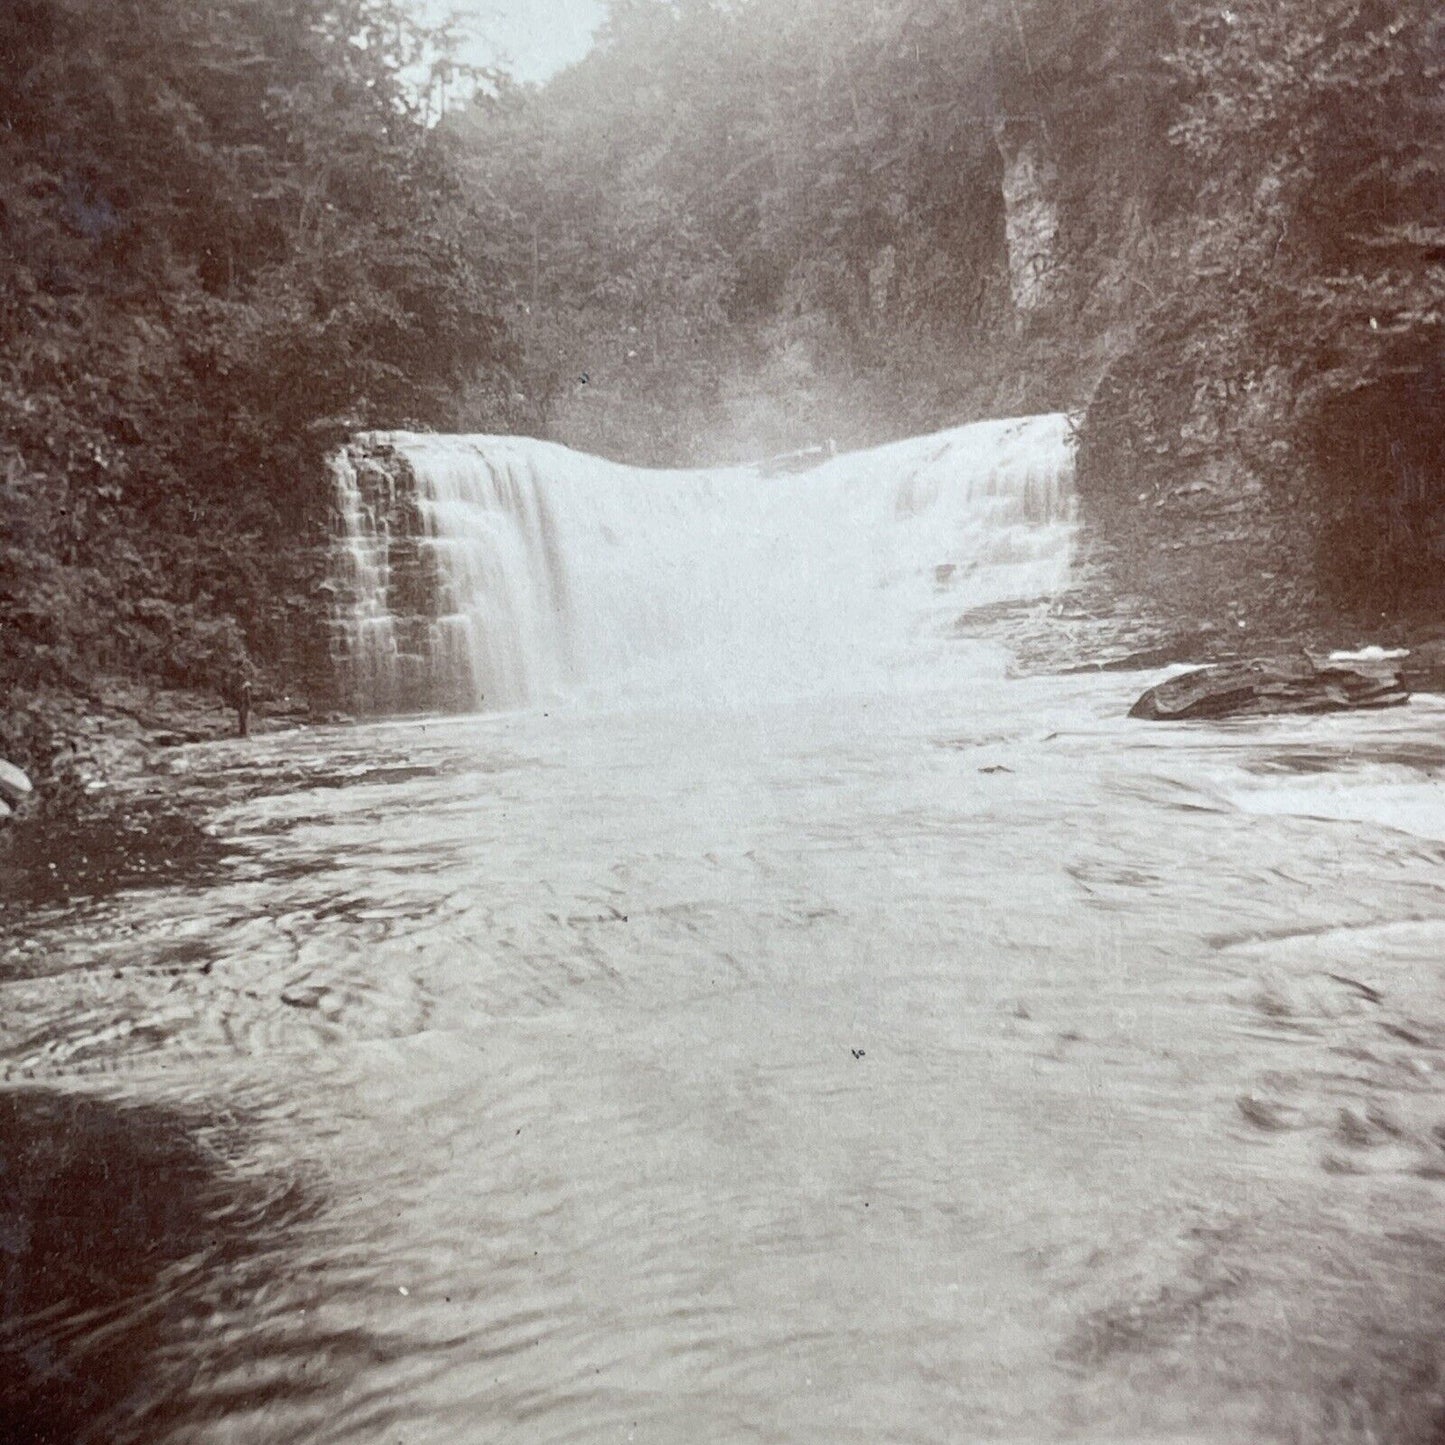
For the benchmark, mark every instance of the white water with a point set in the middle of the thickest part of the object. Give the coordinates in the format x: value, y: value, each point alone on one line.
x: 561, y: 575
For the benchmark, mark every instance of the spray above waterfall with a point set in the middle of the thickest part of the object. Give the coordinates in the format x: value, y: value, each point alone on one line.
x: 479, y: 572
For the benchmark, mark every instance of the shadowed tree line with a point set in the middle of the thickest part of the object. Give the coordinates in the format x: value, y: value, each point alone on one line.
x: 231, y: 234
x: 229, y: 238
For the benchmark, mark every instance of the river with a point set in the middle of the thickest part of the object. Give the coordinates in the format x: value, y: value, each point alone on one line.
x: 958, y: 1060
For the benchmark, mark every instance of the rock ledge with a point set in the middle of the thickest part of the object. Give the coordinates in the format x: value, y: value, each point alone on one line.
x: 1266, y: 686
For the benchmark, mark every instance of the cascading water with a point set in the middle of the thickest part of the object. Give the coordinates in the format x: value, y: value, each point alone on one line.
x: 495, y: 572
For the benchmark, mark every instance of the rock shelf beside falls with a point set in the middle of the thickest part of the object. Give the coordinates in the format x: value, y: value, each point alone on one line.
x: 1277, y: 685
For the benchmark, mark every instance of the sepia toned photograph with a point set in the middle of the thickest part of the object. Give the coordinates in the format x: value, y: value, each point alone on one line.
x: 722, y: 722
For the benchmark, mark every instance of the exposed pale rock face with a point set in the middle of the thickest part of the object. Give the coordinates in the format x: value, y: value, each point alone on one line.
x: 1031, y: 213
x: 882, y: 277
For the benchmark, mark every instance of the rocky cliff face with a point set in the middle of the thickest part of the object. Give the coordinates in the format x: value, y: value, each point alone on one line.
x: 386, y: 588
x: 1031, y: 214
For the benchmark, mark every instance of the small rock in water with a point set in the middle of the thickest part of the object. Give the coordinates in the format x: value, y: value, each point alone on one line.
x: 1267, y: 686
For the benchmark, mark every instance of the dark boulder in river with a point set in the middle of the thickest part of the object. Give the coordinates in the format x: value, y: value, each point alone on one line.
x: 1273, y: 685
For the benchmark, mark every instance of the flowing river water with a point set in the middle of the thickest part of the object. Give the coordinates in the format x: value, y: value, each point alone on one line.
x: 918, y: 1053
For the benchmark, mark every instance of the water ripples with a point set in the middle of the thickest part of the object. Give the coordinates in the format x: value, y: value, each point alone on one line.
x: 812, y: 1075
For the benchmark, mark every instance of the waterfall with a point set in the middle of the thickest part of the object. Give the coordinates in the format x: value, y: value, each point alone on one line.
x: 478, y: 572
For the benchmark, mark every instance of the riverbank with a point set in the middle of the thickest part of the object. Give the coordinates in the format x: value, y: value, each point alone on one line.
x: 74, y: 740
x: 100, y: 817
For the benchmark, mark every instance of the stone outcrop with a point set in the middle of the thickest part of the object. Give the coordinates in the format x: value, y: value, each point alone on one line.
x: 1423, y: 669
x: 1274, y: 685
x: 1031, y: 214
x: 14, y: 787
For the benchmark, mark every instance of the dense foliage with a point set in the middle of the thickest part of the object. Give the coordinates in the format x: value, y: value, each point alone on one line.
x: 1303, y: 342
x: 228, y: 238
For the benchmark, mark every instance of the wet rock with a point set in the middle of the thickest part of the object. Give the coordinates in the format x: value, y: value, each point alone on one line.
x: 803, y: 460
x: 14, y: 784
x: 286, y: 707
x: 187, y: 737
x: 1424, y: 669
x: 1168, y: 651
x: 1273, y: 685
x: 304, y: 996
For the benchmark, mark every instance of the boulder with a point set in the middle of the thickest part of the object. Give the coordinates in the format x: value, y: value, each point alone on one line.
x: 14, y: 785
x: 1424, y: 669
x: 1274, y: 685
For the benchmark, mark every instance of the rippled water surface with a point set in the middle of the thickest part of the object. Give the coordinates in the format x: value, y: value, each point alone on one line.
x: 927, y: 1068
